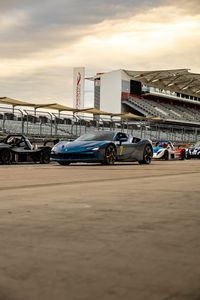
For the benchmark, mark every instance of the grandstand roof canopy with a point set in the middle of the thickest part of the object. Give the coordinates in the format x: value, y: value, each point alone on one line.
x: 177, y: 80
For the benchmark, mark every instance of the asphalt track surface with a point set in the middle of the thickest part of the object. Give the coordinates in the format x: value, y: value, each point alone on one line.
x: 92, y: 232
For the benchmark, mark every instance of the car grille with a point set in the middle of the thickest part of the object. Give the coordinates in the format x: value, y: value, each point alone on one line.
x: 73, y: 156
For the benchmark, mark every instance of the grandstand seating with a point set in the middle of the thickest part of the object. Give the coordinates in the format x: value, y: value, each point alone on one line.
x: 166, y: 111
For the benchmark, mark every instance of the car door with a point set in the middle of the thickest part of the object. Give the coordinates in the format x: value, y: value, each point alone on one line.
x: 124, y: 147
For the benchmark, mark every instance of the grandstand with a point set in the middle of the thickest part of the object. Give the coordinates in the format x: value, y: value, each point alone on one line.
x: 150, y: 104
x: 172, y: 95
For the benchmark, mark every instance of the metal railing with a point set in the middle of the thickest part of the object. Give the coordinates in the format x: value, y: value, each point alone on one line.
x: 46, y: 124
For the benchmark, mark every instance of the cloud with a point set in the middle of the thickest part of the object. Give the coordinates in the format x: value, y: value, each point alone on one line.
x: 189, y: 7
x: 31, y: 26
x: 43, y: 41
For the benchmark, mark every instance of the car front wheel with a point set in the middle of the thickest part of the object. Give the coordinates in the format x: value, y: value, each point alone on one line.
x: 110, y: 155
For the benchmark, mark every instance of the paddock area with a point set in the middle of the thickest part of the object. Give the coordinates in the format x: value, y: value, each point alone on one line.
x: 93, y: 232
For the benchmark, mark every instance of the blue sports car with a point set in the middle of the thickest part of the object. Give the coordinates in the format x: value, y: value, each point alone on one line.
x: 104, y: 147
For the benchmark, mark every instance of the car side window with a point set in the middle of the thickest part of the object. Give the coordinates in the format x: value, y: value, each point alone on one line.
x: 121, y: 135
x: 22, y: 144
x: 135, y: 140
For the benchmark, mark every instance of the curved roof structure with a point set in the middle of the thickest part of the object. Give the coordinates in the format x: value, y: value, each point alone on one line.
x: 56, y: 106
x: 177, y: 80
x: 14, y: 102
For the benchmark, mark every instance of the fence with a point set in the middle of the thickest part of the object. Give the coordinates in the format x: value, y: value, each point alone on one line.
x: 47, y: 124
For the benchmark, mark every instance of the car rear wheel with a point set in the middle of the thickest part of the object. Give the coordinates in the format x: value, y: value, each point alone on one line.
x: 64, y: 163
x: 110, y: 155
x: 147, y: 155
x: 166, y: 155
x: 45, y: 156
x: 6, y: 156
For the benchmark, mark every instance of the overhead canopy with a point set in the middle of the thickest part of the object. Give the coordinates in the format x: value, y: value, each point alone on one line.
x: 56, y: 106
x: 129, y: 116
x: 154, y: 118
x: 177, y: 80
x: 60, y: 107
x: 14, y: 102
x: 95, y: 111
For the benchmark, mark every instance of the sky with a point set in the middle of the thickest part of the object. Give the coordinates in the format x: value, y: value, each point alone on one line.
x: 42, y: 41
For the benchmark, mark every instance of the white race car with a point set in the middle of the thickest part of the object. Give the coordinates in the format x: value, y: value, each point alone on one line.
x: 164, y: 149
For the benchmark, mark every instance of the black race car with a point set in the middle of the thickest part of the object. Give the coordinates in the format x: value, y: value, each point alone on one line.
x: 17, y: 148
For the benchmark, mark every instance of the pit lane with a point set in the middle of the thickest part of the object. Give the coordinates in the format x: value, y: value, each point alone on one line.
x: 82, y: 231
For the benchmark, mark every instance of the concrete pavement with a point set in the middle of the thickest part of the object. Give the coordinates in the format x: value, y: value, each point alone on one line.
x: 86, y: 232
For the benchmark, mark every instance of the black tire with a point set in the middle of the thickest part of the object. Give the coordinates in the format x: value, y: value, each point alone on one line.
x: 6, y: 156
x: 183, y: 155
x: 45, y: 156
x: 147, y: 155
x: 64, y: 163
x: 188, y: 156
x: 166, y: 155
x: 110, y: 155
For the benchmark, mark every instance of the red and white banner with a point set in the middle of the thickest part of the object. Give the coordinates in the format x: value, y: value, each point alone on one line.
x: 78, y: 87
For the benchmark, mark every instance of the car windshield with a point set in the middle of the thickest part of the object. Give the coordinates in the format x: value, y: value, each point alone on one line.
x: 163, y: 144
x: 97, y: 136
x: 13, y: 140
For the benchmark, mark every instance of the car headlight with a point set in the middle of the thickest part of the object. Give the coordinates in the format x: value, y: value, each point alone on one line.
x: 95, y: 149
x: 54, y: 149
x: 53, y: 152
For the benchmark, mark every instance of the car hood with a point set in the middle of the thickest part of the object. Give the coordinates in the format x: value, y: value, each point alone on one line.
x: 156, y: 149
x: 77, y: 146
x: 4, y: 145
